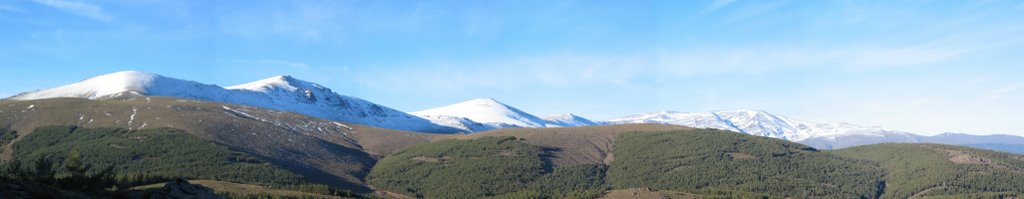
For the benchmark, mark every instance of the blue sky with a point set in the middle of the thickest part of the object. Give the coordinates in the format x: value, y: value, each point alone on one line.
x: 921, y: 66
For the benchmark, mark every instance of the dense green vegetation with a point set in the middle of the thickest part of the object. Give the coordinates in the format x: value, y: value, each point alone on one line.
x: 6, y: 136
x: 148, y: 156
x: 944, y: 170
x: 489, y: 166
x: 40, y: 180
x: 108, y: 161
x: 714, y: 161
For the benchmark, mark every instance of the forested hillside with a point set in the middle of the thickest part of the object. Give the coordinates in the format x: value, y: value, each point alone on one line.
x: 141, y: 155
x: 703, y: 160
x: 943, y: 170
x: 533, y: 163
x: 489, y: 166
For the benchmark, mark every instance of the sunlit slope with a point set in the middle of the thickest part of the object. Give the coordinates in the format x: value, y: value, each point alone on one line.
x: 704, y: 160
x: 918, y: 170
x: 324, y: 151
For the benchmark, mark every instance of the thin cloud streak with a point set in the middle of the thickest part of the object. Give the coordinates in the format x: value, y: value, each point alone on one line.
x: 9, y: 8
x: 718, y: 4
x: 567, y: 70
x: 79, y: 8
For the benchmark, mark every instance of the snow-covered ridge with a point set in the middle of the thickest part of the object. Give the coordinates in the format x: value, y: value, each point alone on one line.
x: 123, y: 83
x: 755, y: 122
x: 569, y: 120
x: 279, y: 92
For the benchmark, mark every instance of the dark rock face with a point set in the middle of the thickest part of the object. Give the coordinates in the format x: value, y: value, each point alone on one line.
x: 178, y: 189
x: 13, y: 190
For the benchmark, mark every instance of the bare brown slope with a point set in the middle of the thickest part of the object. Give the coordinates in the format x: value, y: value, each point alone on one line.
x: 576, y: 145
x: 382, y: 142
x: 327, y: 151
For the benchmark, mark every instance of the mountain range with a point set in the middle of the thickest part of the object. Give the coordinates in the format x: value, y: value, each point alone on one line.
x: 287, y: 93
x: 280, y: 93
x: 245, y: 135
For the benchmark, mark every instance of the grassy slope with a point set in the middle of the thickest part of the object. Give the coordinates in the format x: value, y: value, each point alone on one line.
x: 703, y: 161
x: 936, y: 170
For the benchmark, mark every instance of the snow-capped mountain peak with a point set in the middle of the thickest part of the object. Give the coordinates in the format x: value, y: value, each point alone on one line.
x: 279, y: 92
x: 487, y: 111
x: 482, y: 102
x: 282, y: 82
x: 95, y: 87
x: 569, y: 120
x: 125, y: 83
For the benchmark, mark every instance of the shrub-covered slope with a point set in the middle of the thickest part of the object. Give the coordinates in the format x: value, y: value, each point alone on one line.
x: 332, y: 153
x: 933, y: 170
x: 149, y: 153
x: 708, y: 161
x: 489, y: 166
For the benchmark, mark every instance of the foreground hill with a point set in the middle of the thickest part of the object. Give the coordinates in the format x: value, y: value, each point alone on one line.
x: 576, y: 145
x: 320, y: 151
x: 919, y: 170
x: 150, y: 154
x: 704, y: 161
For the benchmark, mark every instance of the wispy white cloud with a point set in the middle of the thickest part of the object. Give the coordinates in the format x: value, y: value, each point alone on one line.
x: 9, y: 8
x: 79, y: 8
x: 718, y: 4
x: 999, y: 93
x: 574, y: 69
x: 313, y: 21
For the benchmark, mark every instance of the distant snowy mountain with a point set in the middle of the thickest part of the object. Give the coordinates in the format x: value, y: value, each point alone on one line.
x: 756, y: 122
x: 569, y: 120
x: 127, y: 83
x: 279, y: 92
x: 486, y: 111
